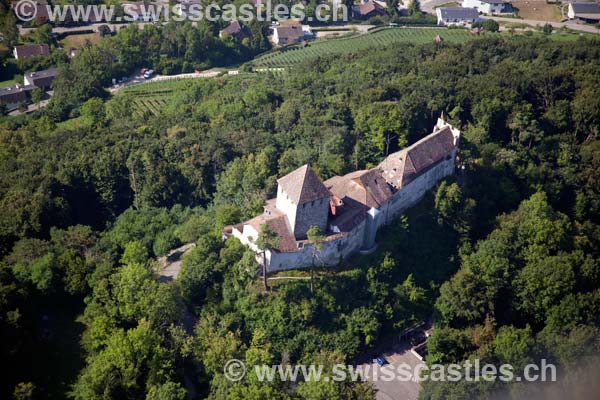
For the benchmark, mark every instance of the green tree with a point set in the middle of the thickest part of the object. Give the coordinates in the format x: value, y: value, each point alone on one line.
x: 267, y: 240
x: 317, y: 238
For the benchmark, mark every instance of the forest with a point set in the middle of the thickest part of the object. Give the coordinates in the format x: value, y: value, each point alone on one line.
x: 504, y: 255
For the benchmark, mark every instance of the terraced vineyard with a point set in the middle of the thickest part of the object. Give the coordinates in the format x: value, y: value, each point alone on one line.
x: 360, y: 42
x: 153, y: 96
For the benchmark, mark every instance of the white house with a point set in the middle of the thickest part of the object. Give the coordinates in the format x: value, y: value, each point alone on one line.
x: 290, y: 32
x: 459, y: 16
x: 489, y: 7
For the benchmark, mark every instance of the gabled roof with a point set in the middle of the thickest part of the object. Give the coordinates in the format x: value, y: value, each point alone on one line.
x: 402, y: 167
x: 42, y: 78
x: 585, y: 8
x: 32, y: 50
x: 367, y: 187
x: 290, y: 32
x: 459, y: 13
x: 237, y: 29
x: 370, y: 6
x: 303, y: 185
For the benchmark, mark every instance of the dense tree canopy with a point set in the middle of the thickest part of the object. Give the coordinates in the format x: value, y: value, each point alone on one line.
x: 505, y: 254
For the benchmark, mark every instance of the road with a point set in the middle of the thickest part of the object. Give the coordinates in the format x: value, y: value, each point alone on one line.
x: 84, y: 28
x: 569, y: 24
x: 136, y: 79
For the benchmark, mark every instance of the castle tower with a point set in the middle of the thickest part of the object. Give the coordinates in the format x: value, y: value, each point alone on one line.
x: 303, y: 198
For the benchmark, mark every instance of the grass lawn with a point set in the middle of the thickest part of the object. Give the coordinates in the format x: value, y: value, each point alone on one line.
x: 78, y: 41
x: 538, y: 10
x: 9, y: 82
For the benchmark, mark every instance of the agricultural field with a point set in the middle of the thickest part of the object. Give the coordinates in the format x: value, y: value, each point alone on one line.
x: 152, y: 97
x: 360, y: 42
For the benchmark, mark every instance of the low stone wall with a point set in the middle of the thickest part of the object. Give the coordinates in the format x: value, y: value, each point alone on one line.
x: 333, y: 252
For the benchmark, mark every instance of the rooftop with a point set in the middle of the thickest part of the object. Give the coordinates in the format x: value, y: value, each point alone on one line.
x: 459, y: 13
x: 289, y: 31
x: 585, y: 8
x: 47, y: 73
x: 303, y: 185
x: 32, y: 50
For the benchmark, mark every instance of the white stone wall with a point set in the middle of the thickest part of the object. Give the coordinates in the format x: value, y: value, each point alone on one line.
x: 286, y: 206
x: 247, y: 236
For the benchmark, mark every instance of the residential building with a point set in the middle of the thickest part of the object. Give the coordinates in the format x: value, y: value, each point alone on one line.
x: 490, y: 7
x: 461, y: 16
x: 31, y: 50
x: 237, y: 30
x: 585, y: 12
x: 368, y: 9
x: 289, y: 32
x: 13, y: 96
x: 41, y: 79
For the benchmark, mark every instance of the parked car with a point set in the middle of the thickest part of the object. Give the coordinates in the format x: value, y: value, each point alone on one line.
x: 381, y: 361
x: 148, y: 74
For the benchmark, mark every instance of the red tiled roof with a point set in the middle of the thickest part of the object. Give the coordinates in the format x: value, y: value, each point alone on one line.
x: 368, y: 187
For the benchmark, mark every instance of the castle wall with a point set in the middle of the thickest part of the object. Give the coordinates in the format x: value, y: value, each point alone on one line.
x: 336, y: 250
x: 332, y: 253
x: 409, y: 195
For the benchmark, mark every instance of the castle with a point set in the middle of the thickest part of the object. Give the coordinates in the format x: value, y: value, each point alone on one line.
x: 348, y: 209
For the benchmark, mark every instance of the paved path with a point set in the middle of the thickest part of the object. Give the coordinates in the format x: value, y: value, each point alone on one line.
x: 171, y: 263
x: 569, y: 24
x: 138, y: 79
